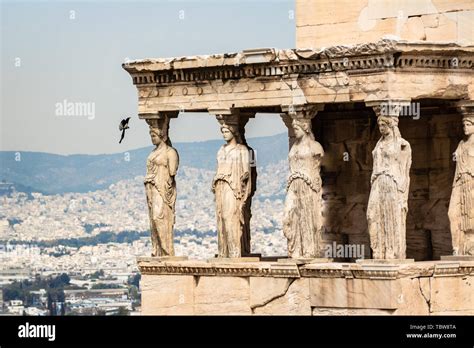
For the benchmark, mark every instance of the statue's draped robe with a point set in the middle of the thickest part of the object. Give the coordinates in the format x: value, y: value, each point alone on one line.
x: 232, y: 188
x: 160, y: 187
x: 388, y: 201
x: 303, y: 220
x: 461, y: 205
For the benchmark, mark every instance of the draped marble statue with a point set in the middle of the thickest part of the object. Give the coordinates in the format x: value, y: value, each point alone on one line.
x: 303, y: 220
x: 388, y: 200
x: 232, y: 189
x: 461, y: 205
x: 160, y: 186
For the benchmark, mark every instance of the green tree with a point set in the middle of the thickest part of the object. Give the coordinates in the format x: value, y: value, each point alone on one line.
x: 123, y: 311
x: 50, y: 305
x: 105, y: 286
x: 97, y: 274
x: 134, y: 280
x: 133, y: 292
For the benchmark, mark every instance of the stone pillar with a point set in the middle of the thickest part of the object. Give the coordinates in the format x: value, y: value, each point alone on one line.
x: 461, y: 205
x: 243, y: 192
x: 303, y: 216
x: 160, y: 185
x: 390, y: 181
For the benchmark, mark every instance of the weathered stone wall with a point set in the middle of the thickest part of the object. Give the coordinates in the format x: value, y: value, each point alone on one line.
x: 348, y: 134
x: 427, y: 288
x: 321, y: 23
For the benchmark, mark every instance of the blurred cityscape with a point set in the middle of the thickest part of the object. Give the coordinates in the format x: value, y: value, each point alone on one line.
x: 75, y: 253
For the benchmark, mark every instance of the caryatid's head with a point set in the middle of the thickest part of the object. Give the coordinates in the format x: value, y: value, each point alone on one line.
x: 468, y: 125
x: 302, y: 127
x: 388, y: 125
x: 229, y: 132
x: 156, y: 135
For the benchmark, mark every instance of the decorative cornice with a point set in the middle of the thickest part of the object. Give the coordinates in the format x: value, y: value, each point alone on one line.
x: 272, y: 63
x: 451, y: 268
x: 231, y: 269
x: 345, y: 270
x: 326, y: 273
x: 388, y: 271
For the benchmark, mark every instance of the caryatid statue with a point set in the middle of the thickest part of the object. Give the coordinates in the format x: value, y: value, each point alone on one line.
x: 388, y: 200
x: 232, y: 186
x: 461, y: 205
x: 303, y: 219
x: 160, y: 186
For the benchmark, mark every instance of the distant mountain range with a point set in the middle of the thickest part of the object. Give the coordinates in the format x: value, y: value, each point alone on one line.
x: 55, y: 174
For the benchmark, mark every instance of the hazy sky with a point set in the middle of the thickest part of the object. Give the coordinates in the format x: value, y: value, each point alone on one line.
x: 55, y: 51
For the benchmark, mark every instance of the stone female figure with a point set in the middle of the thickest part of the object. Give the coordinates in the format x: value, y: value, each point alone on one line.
x: 303, y: 220
x: 232, y: 189
x: 160, y: 186
x: 388, y: 200
x: 461, y: 205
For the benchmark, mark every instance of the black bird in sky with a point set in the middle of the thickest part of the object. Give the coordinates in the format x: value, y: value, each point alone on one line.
x: 122, y: 126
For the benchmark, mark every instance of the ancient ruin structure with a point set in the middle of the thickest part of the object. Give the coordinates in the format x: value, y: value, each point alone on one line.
x: 345, y: 80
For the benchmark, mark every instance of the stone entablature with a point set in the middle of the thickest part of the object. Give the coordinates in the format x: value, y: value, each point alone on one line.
x: 274, y: 62
x: 266, y: 79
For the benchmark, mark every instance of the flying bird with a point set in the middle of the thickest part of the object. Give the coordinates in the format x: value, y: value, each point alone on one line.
x: 122, y: 126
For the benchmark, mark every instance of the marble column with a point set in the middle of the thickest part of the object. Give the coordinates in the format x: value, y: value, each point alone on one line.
x: 303, y: 219
x: 160, y: 185
x: 390, y: 181
x: 461, y: 205
x: 234, y: 184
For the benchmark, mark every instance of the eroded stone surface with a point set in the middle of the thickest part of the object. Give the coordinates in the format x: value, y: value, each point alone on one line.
x: 167, y: 294
x: 354, y: 293
x: 222, y: 295
x: 295, y: 301
x: 453, y: 295
x: 411, y: 298
x: 264, y: 290
x: 416, y: 288
x: 351, y: 311
x: 322, y: 23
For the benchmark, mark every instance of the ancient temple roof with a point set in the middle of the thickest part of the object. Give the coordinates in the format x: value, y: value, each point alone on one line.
x: 269, y: 79
x: 274, y: 55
